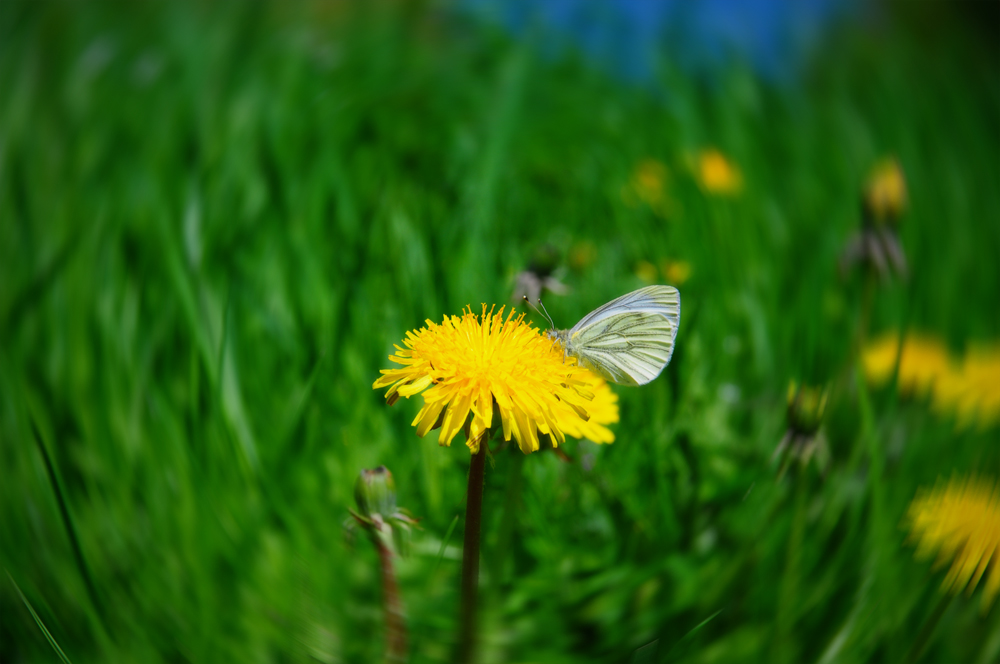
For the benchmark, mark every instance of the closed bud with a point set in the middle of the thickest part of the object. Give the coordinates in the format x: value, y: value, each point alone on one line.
x: 542, y: 275
x: 876, y: 246
x: 885, y: 193
x: 375, y: 493
x: 806, y: 406
x: 803, y: 437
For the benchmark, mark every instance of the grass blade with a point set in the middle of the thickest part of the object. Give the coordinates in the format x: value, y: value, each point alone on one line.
x: 444, y: 543
x: 67, y: 519
x: 687, y: 637
x: 38, y: 621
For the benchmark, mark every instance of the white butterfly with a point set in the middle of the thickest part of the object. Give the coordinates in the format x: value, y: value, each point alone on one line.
x: 628, y: 340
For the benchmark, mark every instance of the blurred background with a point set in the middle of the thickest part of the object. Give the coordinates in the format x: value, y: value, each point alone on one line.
x: 216, y: 219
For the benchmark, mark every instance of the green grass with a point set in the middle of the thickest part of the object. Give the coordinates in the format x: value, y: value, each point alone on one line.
x: 215, y: 221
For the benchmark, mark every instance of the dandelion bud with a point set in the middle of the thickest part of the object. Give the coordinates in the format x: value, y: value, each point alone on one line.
x: 544, y: 260
x: 388, y: 527
x: 803, y: 438
x: 375, y: 493
x: 542, y: 274
x: 806, y: 406
x: 885, y: 193
x: 877, y: 245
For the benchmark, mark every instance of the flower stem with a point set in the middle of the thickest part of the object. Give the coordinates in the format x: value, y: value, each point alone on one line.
x: 786, y: 644
x: 864, y: 319
x: 470, y: 555
x: 928, y: 629
x: 395, y: 622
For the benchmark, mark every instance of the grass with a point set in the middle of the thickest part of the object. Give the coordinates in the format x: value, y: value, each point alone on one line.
x: 217, y: 219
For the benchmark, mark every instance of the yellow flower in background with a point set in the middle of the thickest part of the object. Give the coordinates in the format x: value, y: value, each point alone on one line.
x: 648, y: 185
x: 970, y: 389
x: 923, y: 361
x: 675, y: 272
x: 885, y: 193
x: 470, y: 364
x: 646, y: 272
x: 961, y: 523
x: 716, y: 174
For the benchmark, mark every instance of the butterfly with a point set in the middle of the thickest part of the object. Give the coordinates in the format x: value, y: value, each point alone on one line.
x: 628, y: 340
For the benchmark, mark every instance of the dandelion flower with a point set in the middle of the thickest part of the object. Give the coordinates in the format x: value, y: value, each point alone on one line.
x: 972, y: 390
x: 602, y: 410
x: 718, y: 175
x: 923, y: 361
x: 961, y: 522
x: 646, y: 272
x: 675, y: 272
x: 470, y: 365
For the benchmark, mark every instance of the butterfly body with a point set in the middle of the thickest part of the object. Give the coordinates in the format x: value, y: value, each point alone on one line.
x: 628, y: 340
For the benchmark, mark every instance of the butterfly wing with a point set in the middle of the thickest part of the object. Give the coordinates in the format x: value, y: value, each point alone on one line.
x: 630, y: 339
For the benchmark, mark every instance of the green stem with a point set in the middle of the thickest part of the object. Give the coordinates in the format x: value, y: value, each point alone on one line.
x: 867, y: 302
x: 875, y: 452
x: 880, y: 529
x: 790, y: 586
x: 928, y: 629
x: 470, y: 555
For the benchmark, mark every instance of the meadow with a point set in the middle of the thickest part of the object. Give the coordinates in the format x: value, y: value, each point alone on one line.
x: 216, y: 219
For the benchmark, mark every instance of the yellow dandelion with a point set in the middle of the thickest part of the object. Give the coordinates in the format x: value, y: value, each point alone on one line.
x: 885, y: 192
x: 972, y: 391
x: 924, y: 360
x: 469, y: 365
x: 675, y: 272
x: 602, y: 411
x: 961, y: 522
x: 718, y: 175
x: 646, y: 272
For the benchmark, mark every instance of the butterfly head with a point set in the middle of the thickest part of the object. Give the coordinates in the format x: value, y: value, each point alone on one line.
x: 557, y: 335
x: 560, y: 336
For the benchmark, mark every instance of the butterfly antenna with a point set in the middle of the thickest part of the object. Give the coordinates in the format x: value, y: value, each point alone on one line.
x: 540, y: 312
x: 552, y: 324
